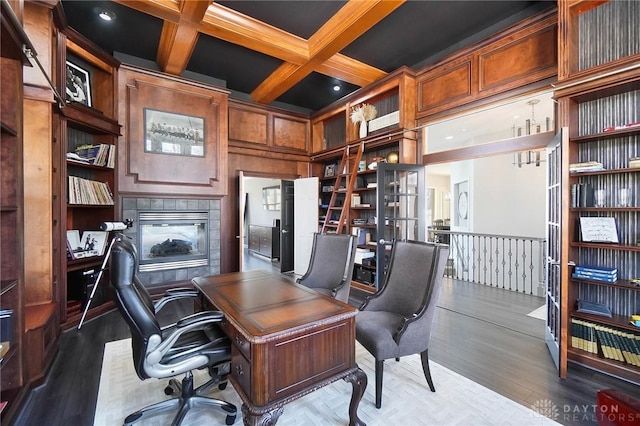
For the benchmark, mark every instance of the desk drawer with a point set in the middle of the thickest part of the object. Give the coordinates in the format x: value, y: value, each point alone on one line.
x: 241, y: 370
x: 237, y: 339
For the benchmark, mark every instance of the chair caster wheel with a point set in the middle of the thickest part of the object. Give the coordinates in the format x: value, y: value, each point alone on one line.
x: 223, y: 385
x: 230, y: 420
x: 168, y: 390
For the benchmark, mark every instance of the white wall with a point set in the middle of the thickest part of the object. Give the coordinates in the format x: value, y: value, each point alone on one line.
x: 256, y: 213
x: 508, y: 200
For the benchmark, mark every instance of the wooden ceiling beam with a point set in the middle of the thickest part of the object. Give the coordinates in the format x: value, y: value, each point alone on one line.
x: 178, y: 38
x: 349, y: 23
x: 177, y: 41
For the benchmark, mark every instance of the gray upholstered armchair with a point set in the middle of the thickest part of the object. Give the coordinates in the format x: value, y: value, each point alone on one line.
x: 397, y: 320
x: 331, y: 265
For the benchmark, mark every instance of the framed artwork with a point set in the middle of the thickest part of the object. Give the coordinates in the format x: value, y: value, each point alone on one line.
x: 175, y: 134
x: 461, y: 203
x: 330, y: 170
x: 78, y: 84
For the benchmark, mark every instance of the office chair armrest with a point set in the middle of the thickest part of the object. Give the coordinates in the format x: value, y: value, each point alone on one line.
x: 204, y: 316
x: 174, y: 294
x: 157, y: 347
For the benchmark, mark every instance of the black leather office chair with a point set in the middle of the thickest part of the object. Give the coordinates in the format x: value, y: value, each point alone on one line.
x: 194, y: 342
x: 396, y: 321
x: 331, y: 265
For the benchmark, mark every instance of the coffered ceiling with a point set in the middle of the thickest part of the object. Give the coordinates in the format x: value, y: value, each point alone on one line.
x: 291, y: 53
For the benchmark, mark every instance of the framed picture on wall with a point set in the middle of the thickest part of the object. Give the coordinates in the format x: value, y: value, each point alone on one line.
x: 78, y: 84
x: 170, y: 133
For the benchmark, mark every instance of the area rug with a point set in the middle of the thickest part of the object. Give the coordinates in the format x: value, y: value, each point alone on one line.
x: 540, y: 313
x: 406, y: 398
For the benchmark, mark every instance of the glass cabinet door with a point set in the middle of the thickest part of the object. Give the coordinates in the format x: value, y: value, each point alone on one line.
x: 400, y: 210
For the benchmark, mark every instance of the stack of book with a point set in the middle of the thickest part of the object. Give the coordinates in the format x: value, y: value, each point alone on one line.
x: 98, y: 155
x: 587, y: 166
x: 596, y: 273
x: 634, y: 163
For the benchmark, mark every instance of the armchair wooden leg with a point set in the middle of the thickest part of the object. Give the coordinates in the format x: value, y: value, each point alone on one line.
x: 424, y: 356
x: 379, y: 371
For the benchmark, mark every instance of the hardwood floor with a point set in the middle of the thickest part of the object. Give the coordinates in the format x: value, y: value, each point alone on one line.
x: 481, y: 333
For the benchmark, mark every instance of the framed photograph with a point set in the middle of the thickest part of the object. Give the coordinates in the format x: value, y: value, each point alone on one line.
x: 78, y: 84
x: 599, y: 230
x: 330, y: 170
x: 175, y: 134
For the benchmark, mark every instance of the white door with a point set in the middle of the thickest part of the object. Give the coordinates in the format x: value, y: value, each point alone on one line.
x: 305, y: 221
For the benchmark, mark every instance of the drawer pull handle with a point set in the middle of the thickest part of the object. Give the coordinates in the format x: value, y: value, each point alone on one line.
x: 239, y: 370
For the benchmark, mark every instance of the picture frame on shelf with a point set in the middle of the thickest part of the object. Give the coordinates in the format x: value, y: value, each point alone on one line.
x: 599, y: 230
x: 78, y: 86
x: 330, y: 170
x: 173, y: 134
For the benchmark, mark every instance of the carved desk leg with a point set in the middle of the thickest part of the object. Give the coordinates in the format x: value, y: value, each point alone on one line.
x: 358, y: 380
x: 266, y: 419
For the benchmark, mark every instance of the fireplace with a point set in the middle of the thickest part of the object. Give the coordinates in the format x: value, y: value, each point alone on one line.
x: 173, y: 240
x: 192, y: 221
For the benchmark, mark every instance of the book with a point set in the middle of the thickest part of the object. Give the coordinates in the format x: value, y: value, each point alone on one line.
x: 593, y: 308
x: 594, y: 278
x: 596, y: 269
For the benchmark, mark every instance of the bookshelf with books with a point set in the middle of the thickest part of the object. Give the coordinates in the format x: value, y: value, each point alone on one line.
x: 13, y: 382
x: 598, y: 93
x: 86, y: 142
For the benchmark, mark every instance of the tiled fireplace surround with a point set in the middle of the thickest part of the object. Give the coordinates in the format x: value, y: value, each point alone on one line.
x: 132, y: 206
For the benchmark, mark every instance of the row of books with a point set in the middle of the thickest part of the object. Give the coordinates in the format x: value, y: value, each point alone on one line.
x: 596, y: 273
x: 620, y: 345
x: 99, y: 154
x: 582, y: 195
x: 85, y: 191
x: 586, y: 166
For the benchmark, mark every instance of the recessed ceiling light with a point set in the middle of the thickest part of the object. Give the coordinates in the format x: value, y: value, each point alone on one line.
x: 449, y: 137
x: 336, y: 88
x: 106, y: 15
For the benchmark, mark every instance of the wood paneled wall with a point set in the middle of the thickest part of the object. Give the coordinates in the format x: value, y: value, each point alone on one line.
x: 263, y: 142
x: 141, y: 172
x: 256, y: 127
x: 520, y: 56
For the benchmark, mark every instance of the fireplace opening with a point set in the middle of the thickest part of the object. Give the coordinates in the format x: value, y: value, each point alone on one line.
x: 172, y: 240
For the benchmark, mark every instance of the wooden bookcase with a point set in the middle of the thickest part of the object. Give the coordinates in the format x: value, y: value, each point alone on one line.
x: 598, y: 96
x: 79, y: 124
x: 333, y: 133
x: 12, y: 373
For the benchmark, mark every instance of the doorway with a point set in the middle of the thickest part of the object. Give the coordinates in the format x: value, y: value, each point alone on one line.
x: 266, y: 226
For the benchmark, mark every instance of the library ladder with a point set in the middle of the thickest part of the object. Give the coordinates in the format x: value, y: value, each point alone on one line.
x: 341, y: 195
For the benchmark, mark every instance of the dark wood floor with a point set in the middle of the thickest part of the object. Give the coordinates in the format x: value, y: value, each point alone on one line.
x: 481, y: 333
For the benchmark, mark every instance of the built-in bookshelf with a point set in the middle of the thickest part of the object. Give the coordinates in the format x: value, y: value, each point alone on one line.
x: 12, y: 287
x: 86, y: 141
x: 599, y: 94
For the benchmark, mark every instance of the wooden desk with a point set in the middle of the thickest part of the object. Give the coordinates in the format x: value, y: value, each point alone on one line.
x: 287, y: 341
